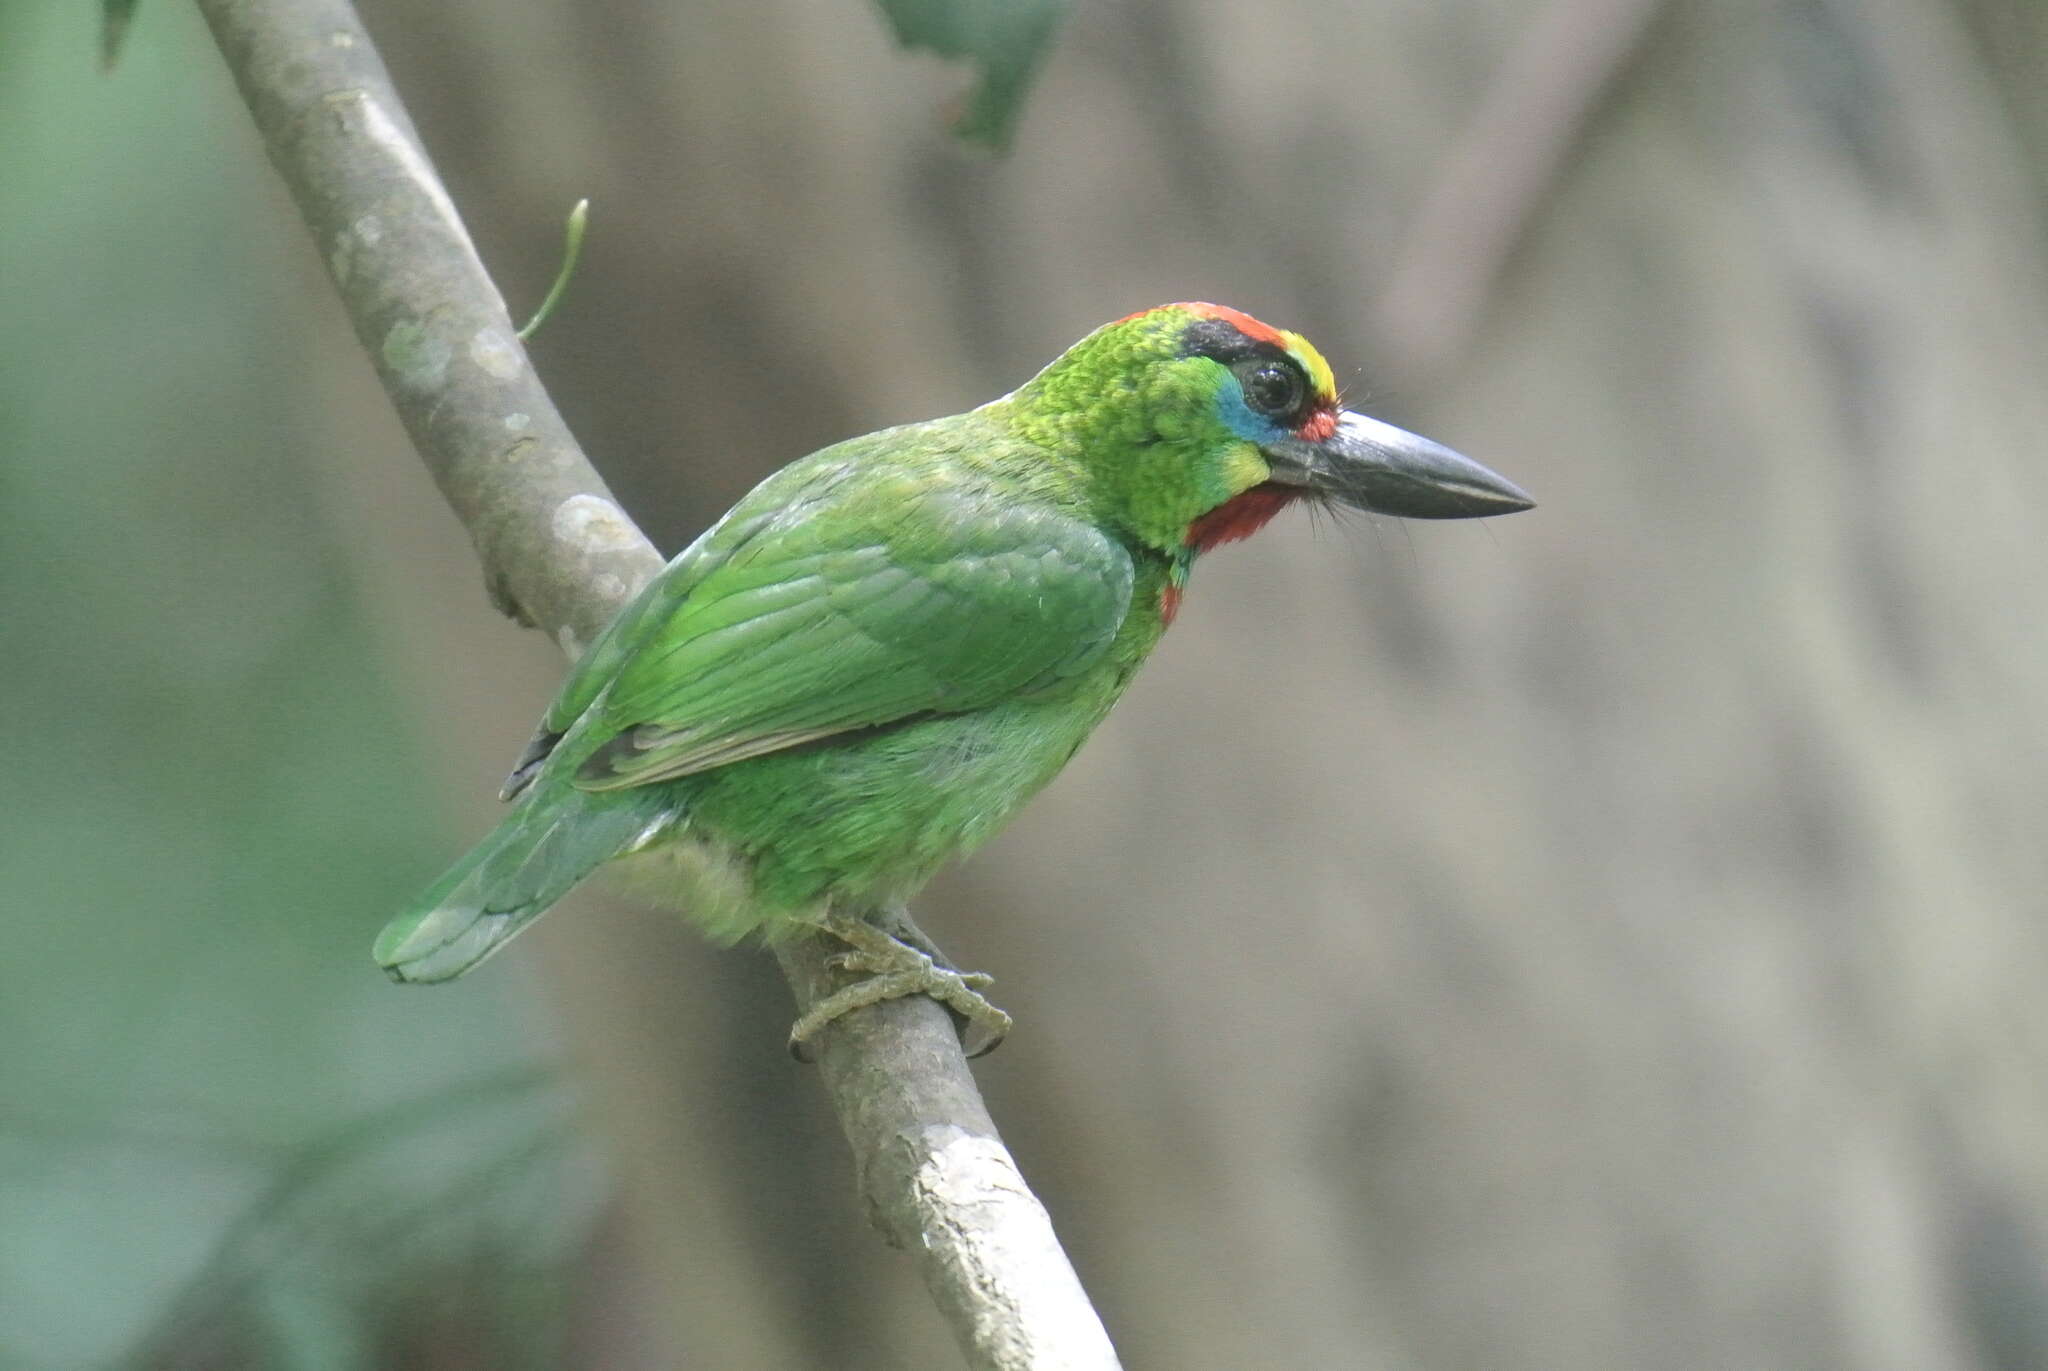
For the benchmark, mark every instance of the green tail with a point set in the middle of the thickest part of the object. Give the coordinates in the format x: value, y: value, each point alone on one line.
x: 545, y: 846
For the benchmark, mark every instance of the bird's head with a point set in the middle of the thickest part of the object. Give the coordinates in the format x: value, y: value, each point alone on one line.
x: 1197, y: 424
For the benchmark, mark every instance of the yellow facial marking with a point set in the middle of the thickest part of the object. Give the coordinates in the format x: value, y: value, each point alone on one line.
x: 1312, y: 363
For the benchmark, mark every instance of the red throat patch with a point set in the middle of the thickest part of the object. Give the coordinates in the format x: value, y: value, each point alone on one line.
x: 1240, y: 516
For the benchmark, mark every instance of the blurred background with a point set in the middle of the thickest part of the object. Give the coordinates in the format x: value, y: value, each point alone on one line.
x: 1611, y: 937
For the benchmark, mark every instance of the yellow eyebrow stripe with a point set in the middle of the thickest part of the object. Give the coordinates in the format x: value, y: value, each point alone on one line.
x: 1319, y: 374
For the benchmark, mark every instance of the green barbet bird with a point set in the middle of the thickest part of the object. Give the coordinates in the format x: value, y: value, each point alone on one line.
x: 885, y: 649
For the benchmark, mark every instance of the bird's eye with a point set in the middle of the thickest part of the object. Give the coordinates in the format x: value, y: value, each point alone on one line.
x: 1273, y: 389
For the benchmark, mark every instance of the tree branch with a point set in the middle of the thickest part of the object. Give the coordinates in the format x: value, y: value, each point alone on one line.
x: 560, y: 555
x: 1494, y: 177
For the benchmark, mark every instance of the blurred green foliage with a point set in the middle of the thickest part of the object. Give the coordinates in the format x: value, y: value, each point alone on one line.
x: 211, y: 786
x: 1006, y: 39
x: 115, y: 17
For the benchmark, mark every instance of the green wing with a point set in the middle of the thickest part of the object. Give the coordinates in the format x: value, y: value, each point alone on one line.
x: 789, y: 496
x: 897, y: 596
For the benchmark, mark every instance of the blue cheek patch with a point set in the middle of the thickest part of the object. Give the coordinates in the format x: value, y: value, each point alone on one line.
x: 1238, y: 417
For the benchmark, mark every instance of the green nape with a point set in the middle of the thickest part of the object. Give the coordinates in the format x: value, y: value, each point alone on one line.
x: 1142, y: 417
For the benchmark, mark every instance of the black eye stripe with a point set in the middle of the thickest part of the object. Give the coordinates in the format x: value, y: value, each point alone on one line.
x: 1219, y: 340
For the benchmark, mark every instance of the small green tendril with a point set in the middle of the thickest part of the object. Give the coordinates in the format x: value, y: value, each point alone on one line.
x: 572, y: 248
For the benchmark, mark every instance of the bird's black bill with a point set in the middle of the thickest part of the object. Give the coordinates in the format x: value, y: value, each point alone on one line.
x: 1376, y: 467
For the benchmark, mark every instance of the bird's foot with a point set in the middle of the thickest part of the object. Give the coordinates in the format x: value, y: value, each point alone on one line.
x: 892, y: 967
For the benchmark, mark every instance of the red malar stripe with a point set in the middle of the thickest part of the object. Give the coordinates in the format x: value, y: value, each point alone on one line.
x: 1169, y: 603
x: 1240, y: 516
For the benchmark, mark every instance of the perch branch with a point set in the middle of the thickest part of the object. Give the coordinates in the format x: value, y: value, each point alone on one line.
x: 560, y: 555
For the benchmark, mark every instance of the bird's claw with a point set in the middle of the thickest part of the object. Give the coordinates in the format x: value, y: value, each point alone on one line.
x: 867, y: 964
x: 890, y: 969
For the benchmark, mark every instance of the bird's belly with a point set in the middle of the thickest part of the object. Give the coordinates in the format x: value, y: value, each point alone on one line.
x: 871, y: 817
